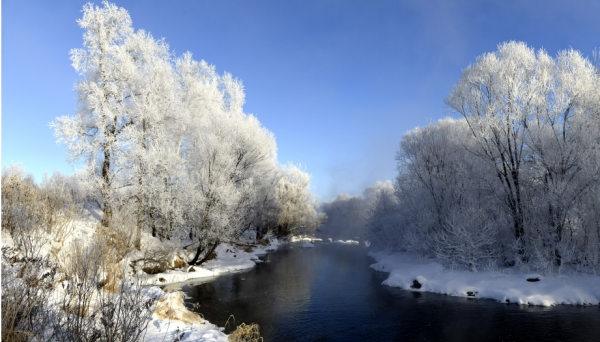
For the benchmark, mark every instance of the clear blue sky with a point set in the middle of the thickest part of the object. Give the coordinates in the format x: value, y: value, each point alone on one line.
x: 337, y: 82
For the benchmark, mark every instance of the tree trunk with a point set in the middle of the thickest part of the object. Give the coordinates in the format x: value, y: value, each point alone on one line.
x: 107, y: 217
x: 209, y: 253
x: 259, y: 233
x: 153, y: 223
x: 199, y: 251
x: 138, y: 238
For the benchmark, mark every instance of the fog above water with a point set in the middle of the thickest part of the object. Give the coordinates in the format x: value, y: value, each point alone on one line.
x: 347, y: 215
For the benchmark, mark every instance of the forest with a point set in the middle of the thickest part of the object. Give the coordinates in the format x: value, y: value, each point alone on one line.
x: 173, y: 175
x: 513, y: 180
x: 163, y: 149
x: 164, y: 141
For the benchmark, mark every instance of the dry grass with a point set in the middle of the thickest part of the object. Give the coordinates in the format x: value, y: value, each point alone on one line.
x: 34, y: 217
x: 243, y: 332
x: 160, y: 258
x: 264, y: 242
x: 114, y: 273
x: 117, y: 243
x: 179, y: 262
x: 26, y: 285
x: 80, y: 311
x: 172, y: 307
x: 17, y: 336
x: 154, y: 269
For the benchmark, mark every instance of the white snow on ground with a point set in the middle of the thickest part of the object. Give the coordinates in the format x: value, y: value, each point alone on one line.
x: 230, y: 258
x: 192, y: 326
x: 306, y: 245
x: 305, y: 238
x: 161, y: 330
x: 503, y: 287
x: 346, y: 242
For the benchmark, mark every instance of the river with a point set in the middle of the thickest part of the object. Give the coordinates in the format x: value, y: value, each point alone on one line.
x: 329, y: 293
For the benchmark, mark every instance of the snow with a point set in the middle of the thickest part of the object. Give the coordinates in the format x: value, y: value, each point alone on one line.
x: 180, y: 321
x: 308, y: 238
x: 346, y: 242
x: 307, y: 245
x: 575, y: 289
x: 230, y: 258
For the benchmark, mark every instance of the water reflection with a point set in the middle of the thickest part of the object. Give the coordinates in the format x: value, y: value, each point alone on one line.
x: 329, y: 293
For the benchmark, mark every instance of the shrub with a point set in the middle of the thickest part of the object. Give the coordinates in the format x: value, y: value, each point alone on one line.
x: 243, y: 332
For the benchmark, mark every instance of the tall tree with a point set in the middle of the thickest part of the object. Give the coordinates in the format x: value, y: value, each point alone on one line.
x: 495, y: 96
x: 96, y: 134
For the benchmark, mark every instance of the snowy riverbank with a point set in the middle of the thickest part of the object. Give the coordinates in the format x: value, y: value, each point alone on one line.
x: 416, y: 274
x: 172, y: 320
x: 229, y: 258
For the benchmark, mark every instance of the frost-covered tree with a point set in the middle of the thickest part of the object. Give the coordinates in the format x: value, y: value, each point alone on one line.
x: 96, y: 134
x: 562, y: 139
x: 154, y: 109
x: 495, y: 96
x: 228, y: 153
x: 516, y: 178
x: 166, y: 142
x: 384, y: 222
x: 298, y: 203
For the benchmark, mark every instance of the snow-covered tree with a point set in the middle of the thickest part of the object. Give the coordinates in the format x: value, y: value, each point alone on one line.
x: 96, y: 134
x: 298, y: 204
x: 495, y: 96
x: 562, y: 139
x: 516, y: 178
x: 166, y: 142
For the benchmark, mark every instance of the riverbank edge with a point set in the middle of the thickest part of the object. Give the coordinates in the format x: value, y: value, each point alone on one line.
x: 503, y: 285
x: 182, y: 325
x: 229, y: 258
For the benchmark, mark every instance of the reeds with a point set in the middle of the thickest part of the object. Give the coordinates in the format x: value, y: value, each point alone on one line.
x: 244, y: 332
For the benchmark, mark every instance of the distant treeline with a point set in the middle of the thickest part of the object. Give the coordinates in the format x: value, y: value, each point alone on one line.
x: 347, y: 215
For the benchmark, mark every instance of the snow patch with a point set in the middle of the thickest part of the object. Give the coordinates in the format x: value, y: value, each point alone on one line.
x: 512, y: 288
x: 301, y: 238
x: 180, y: 321
x: 346, y: 242
x: 307, y: 245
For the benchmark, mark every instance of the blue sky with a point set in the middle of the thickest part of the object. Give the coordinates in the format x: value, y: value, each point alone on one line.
x: 337, y: 82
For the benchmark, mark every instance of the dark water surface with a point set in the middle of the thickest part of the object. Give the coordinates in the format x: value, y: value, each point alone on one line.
x: 329, y: 293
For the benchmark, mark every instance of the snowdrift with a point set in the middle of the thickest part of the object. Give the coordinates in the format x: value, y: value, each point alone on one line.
x: 419, y: 275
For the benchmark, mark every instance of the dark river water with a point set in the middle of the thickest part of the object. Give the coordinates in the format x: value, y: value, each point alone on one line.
x: 329, y: 293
